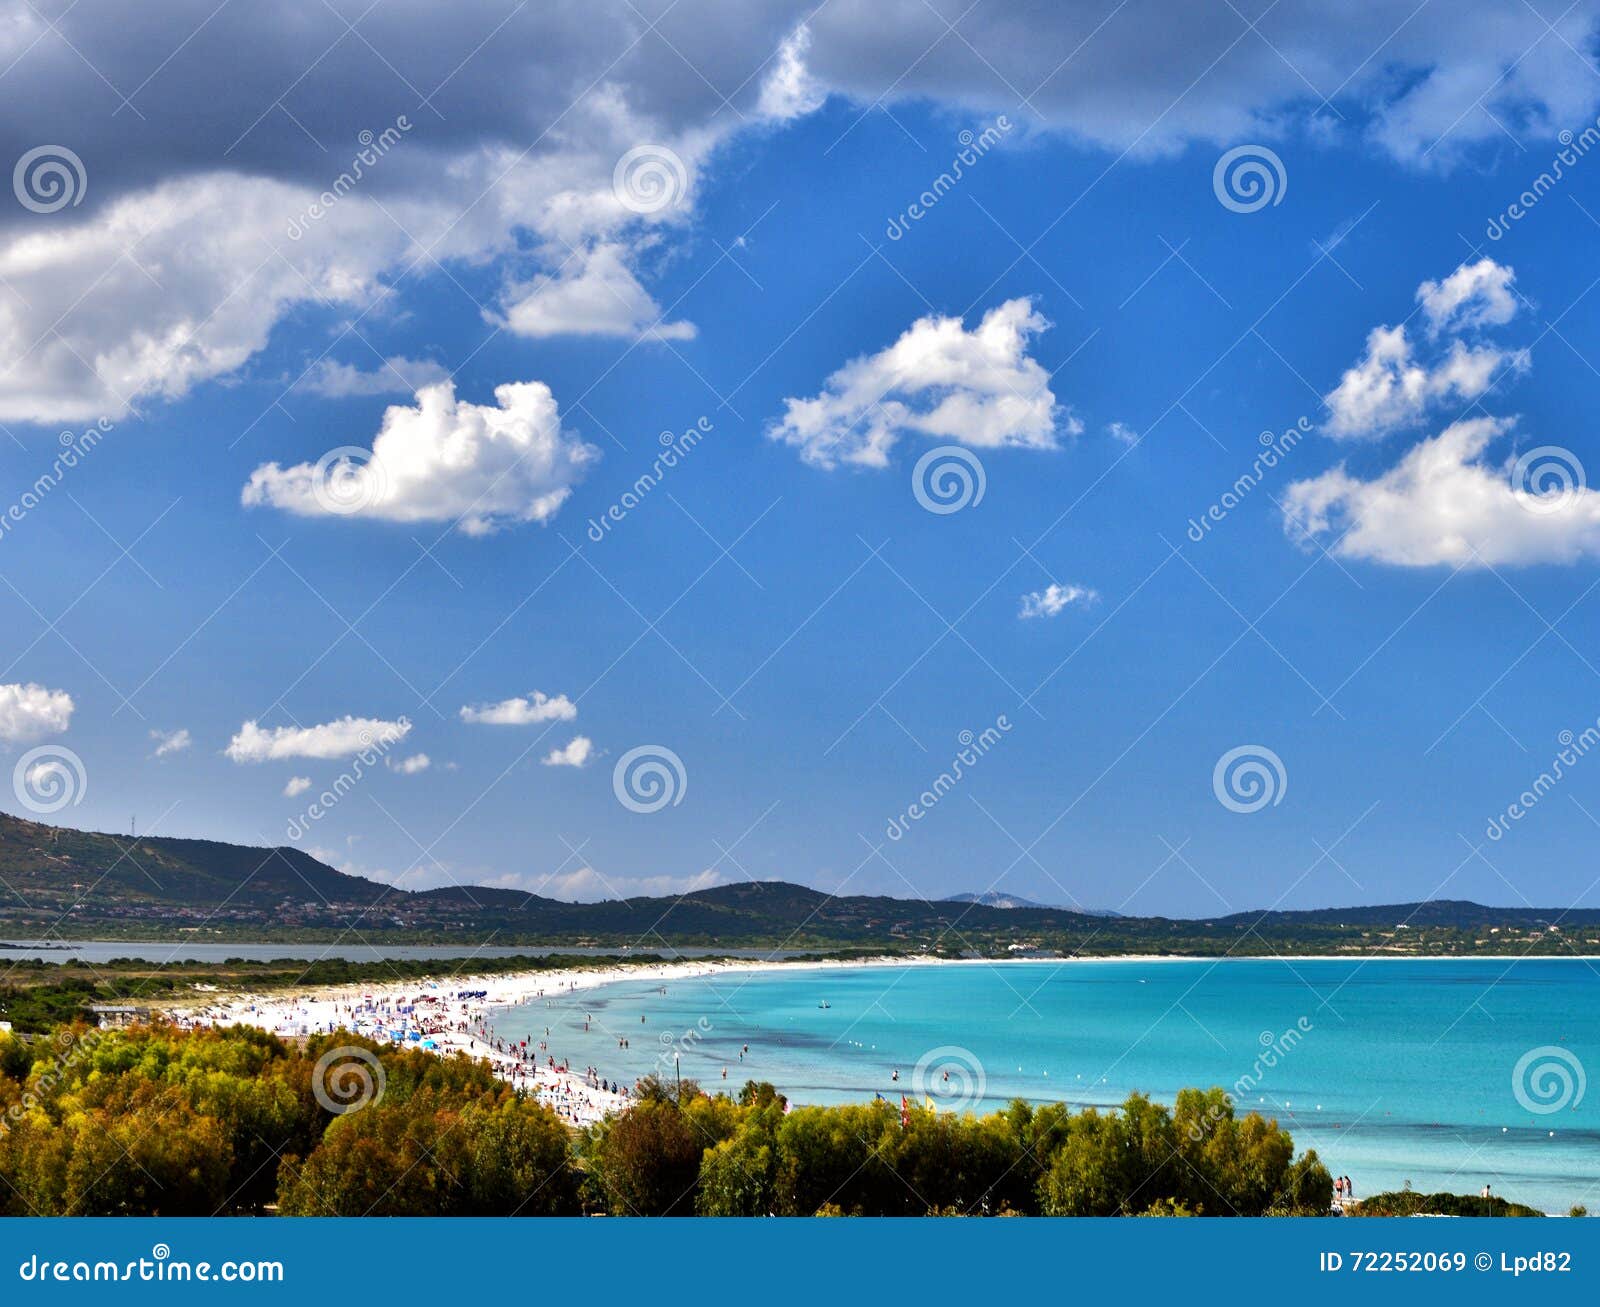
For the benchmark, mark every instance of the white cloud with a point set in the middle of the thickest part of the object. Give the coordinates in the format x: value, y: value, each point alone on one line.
x: 1123, y: 432
x: 527, y: 711
x: 169, y: 742
x: 1390, y: 389
x: 30, y: 712
x: 173, y: 276
x: 1478, y: 295
x: 1149, y: 78
x: 443, y: 459
x: 170, y: 283
x: 586, y: 885
x: 575, y: 754
x: 394, y: 376
x: 977, y: 387
x: 417, y: 762
x: 1055, y: 599
x: 1445, y: 503
x: 336, y: 739
x: 789, y: 90
x: 164, y: 289
x: 594, y: 294
x: 297, y: 785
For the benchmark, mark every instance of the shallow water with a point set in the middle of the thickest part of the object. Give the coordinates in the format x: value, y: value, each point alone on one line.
x: 1393, y: 1070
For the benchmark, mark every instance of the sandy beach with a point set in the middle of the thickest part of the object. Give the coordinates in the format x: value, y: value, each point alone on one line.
x: 446, y: 1015
x: 457, y: 1013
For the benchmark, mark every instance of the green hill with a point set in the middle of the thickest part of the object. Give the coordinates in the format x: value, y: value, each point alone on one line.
x: 80, y: 884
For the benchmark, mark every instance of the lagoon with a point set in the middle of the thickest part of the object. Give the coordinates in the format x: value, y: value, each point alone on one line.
x: 1449, y: 1074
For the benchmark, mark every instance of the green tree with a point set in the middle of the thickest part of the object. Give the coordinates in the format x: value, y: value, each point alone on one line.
x: 646, y: 1161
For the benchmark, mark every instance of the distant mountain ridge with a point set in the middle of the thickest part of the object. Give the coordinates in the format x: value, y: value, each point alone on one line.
x: 55, y: 879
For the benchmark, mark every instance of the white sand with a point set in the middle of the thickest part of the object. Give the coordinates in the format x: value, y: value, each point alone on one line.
x: 433, y: 1009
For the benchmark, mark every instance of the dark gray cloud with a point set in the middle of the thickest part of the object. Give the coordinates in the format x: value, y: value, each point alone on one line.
x: 208, y: 132
x: 145, y: 91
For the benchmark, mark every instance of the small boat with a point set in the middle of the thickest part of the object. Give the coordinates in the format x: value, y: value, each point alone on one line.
x: 824, y: 1004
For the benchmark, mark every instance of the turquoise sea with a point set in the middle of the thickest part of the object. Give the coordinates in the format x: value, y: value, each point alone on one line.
x: 1393, y: 1070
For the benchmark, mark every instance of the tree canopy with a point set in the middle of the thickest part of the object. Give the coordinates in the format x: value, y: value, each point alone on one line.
x: 154, y: 1120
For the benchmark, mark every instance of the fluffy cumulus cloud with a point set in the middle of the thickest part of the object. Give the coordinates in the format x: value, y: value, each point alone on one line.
x: 416, y: 763
x: 29, y: 712
x: 1474, y: 295
x: 296, y: 785
x: 170, y: 742
x: 528, y: 710
x: 594, y: 294
x: 441, y: 460
x: 1394, y: 386
x: 179, y: 265
x: 336, y: 739
x: 163, y: 289
x: 1448, y: 502
x: 1055, y: 599
x: 1390, y: 389
x: 978, y: 387
x: 575, y: 754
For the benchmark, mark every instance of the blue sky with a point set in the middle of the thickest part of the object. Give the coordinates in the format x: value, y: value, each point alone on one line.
x: 1402, y: 642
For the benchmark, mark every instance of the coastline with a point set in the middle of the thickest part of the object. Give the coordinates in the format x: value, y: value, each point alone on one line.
x: 455, y: 1013
x: 452, y: 1023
